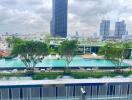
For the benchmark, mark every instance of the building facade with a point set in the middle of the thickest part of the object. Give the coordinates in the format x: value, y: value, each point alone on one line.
x: 84, y: 89
x: 58, y: 25
x: 120, y: 28
x: 105, y: 28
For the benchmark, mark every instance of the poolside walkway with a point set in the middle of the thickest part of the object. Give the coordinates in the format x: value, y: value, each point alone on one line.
x: 129, y: 62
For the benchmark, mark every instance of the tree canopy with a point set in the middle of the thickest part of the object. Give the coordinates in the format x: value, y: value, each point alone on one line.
x: 68, y: 49
x: 12, y: 41
x: 115, y: 51
x: 30, y: 52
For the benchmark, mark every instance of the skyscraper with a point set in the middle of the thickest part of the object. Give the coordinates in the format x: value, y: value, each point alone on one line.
x: 58, y: 25
x: 120, y: 28
x: 105, y: 27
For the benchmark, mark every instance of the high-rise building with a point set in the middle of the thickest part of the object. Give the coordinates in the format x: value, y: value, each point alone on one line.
x: 105, y: 28
x: 59, y: 18
x: 120, y: 28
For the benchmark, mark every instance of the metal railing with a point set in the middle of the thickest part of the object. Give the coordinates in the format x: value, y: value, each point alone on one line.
x: 123, y: 97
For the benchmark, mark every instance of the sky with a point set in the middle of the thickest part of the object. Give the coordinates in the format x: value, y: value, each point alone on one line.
x: 84, y: 16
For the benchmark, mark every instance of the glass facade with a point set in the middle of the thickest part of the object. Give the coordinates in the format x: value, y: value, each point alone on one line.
x: 105, y: 27
x: 105, y: 91
x: 120, y: 28
x: 59, y: 18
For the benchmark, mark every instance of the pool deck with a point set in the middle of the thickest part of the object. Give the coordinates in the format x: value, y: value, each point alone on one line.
x: 65, y: 81
x: 129, y: 62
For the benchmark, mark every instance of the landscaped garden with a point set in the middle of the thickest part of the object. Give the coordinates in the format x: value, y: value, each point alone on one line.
x: 73, y: 74
x: 31, y: 53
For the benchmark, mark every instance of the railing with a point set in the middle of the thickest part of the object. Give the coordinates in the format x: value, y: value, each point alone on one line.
x: 123, y: 97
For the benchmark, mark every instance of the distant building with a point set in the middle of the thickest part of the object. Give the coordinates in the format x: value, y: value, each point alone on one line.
x: 105, y: 28
x: 58, y: 25
x: 95, y: 35
x: 111, y: 37
x: 127, y: 37
x: 120, y: 28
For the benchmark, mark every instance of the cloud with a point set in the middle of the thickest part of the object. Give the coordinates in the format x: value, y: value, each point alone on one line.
x: 23, y: 16
x: 89, y: 13
x: 30, y: 16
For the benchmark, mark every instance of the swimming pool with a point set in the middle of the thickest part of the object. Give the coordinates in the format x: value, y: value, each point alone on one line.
x: 77, y: 62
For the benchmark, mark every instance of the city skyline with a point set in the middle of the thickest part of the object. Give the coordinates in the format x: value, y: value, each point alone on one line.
x: 24, y: 16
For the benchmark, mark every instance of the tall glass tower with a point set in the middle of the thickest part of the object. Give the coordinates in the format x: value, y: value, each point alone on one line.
x: 105, y: 27
x: 59, y: 18
x: 120, y: 28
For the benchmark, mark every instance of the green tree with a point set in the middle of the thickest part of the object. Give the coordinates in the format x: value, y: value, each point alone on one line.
x: 47, y: 38
x: 115, y: 52
x: 106, y: 50
x: 12, y: 41
x: 68, y: 50
x: 9, y: 41
x: 30, y: 52
x: 130, y: 42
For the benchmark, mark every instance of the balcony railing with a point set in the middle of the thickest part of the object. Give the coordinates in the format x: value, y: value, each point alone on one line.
x: 116, y: 97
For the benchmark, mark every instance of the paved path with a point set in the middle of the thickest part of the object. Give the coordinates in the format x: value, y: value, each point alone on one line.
x: 128, y: 62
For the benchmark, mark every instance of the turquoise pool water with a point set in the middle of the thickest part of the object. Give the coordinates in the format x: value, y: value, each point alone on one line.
x: 77, y: 62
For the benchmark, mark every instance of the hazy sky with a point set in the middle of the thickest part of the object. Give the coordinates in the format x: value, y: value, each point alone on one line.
x: 27, y: 16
